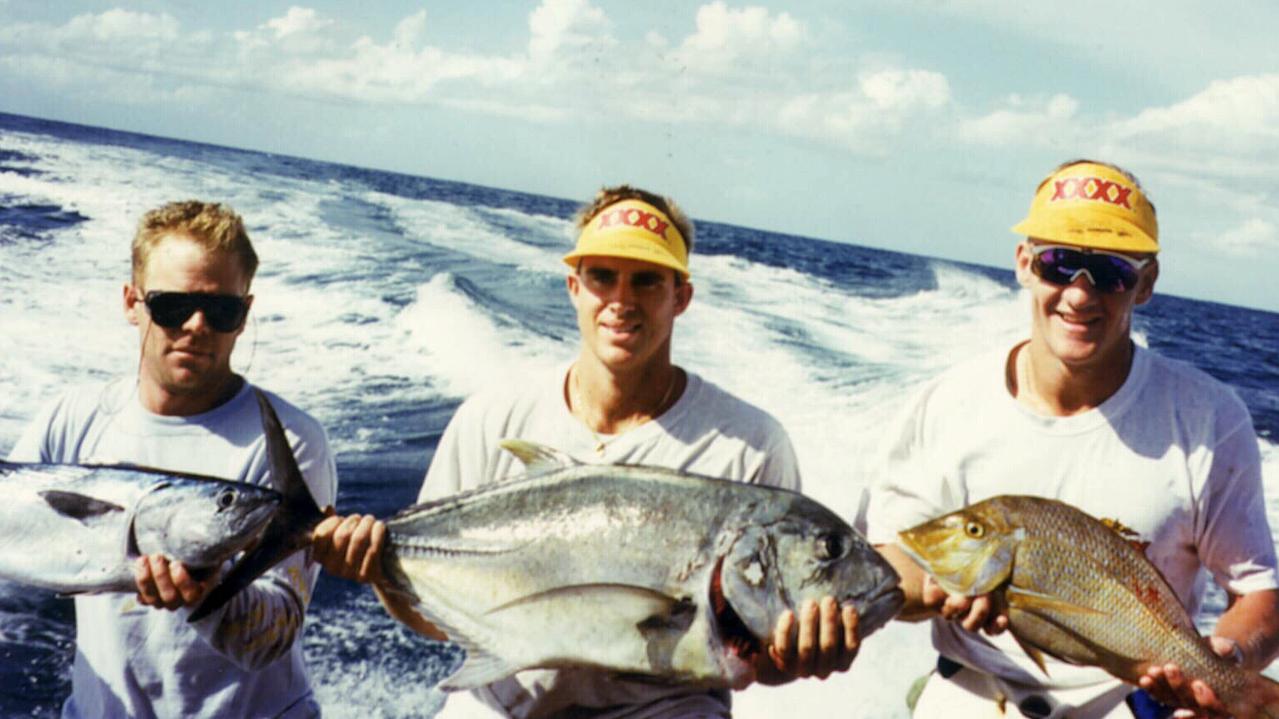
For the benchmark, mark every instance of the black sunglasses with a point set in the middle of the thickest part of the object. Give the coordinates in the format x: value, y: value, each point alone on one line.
x: 1107, y: 271
x: 224, y: 313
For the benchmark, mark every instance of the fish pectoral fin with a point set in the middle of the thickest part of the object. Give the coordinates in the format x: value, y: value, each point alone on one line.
x: 479, y: 669
x: 624, y: 599
x: 538, y: 458
x: 80, y: 507
x: 1038, y: 602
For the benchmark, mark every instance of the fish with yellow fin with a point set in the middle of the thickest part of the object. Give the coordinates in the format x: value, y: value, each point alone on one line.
x: 1077, y: 590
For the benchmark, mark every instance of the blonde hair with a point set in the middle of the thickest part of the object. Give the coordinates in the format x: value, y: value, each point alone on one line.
x: 612, y: 195
x: 217, y: 228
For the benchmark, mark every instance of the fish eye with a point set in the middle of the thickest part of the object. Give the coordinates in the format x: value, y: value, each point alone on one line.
x: 974, y: 529
x: 830, y: 546
x: 226, y: 498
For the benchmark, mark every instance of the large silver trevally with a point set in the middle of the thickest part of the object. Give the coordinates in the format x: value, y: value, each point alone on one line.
x: 637, y: 570
x: 79, y: 528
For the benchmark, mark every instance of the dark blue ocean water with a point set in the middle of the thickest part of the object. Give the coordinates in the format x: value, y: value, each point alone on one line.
x: 397, y: 293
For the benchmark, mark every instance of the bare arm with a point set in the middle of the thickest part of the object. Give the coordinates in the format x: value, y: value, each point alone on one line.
x: 926, y: 599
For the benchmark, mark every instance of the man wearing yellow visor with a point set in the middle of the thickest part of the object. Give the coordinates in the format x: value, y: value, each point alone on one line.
x: 1081, y: 413
x: 621, y: 401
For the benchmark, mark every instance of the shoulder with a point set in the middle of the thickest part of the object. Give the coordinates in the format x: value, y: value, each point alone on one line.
x: 293, y: 418
x: 57, y: 430
x: 1195, y: 396
x: 509, y: 405
x: 729, y: 412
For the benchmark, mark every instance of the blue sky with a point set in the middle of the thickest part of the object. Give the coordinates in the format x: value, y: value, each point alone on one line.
x: 920, y: 126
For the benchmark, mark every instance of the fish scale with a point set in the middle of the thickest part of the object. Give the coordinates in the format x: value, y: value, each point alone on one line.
x: 1079, y: 591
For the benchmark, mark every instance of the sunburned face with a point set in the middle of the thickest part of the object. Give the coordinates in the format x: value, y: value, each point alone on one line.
x: 1078, y: 324
x: 184, y: 369
x: 626, y: 309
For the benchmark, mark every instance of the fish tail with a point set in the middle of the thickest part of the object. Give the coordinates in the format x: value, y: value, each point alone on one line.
x: 287, y: 532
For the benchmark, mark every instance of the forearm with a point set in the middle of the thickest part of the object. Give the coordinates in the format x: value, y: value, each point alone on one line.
x: 912, y: 584
x: 261, y: 622
x: 1252, y: 622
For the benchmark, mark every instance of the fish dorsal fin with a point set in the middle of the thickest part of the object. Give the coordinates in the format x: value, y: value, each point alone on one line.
x: 80, y: 507
x: 538, y: 458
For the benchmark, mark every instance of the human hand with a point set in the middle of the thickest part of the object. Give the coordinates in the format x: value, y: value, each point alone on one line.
x: 350, y: 547
x: 168, y: 585
x: 820, y: 640
x: 1195, y: 699
x: 973, y: 613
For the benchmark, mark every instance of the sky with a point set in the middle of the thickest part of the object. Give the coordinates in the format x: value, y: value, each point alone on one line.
x: 915, y: 125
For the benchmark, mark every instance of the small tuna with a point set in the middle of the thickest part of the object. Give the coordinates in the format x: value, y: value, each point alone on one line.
x: 1079, y: 591
x: 79, y: 528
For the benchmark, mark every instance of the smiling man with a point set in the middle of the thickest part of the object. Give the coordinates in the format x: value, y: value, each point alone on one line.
x: 622, y: 401
x: 1078, y: 412
x: 187, y: 411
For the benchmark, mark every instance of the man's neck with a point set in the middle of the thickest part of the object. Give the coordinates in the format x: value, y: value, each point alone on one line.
x: 157, y: 400
x: 1044, y: 383
x: 612, y: 402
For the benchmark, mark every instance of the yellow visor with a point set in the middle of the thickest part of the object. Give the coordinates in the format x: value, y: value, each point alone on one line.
x: 1092, y: 205
x: 635, y: 230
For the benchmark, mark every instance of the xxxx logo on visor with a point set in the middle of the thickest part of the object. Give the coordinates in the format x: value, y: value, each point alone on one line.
x: 1091, y: 188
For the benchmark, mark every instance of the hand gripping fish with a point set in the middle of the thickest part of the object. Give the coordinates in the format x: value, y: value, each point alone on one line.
x: 1077, y: 590
x: 640, y: 571
x: 79, y: 528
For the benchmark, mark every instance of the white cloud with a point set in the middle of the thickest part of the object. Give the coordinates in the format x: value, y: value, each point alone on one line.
x: 560, y: 27
x: 1238, y: 114
x: 1045, y: 121
x: 297, y: 21
x: 736, y: 66
x: 725, y: 37
x: 1250, y: 238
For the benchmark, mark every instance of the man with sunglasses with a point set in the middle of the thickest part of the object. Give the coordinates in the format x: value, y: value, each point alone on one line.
x: 622, y: 401
x: 1080, y: 413
x: 187, y: 411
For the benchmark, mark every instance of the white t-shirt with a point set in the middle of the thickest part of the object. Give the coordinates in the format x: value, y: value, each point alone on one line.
x: 707, y: 431
x: 244, y: 660
x: 1172, y: 455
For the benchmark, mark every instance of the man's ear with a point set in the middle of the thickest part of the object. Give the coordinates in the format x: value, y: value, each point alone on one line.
x: 1023, y: 258
x: 683, y: 296
x: 1146, y: 282
x: 131, y: 303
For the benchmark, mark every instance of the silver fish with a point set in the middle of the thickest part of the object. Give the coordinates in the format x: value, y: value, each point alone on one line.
x: 78, y: 528
x: 641, y: 571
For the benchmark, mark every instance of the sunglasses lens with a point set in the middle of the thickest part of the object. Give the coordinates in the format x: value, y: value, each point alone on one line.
x: 1060, y: 266
x: 224, y: 313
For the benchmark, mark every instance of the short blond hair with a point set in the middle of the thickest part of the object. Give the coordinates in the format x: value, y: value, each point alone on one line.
x: 213, y: 226
x: 608, y: 196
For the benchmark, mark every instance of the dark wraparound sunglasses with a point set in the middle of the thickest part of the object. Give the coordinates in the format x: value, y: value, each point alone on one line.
x: 224, y: 313
x: 1107, y: 271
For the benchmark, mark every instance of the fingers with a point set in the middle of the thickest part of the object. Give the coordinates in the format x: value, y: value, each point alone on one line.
x: 349, y: 547
x: 818, y: 641
x: 166, y: 585
x: 782, y: 647
x: 808, y: 641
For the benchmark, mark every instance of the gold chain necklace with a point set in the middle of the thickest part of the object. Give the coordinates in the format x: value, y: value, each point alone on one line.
x: 602, y: 443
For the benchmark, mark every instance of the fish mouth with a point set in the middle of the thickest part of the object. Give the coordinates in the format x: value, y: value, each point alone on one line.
x: 737, y: 637
x: 880, y: 608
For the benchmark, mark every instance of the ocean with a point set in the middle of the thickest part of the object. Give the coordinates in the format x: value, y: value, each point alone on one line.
x: 384, y: 299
